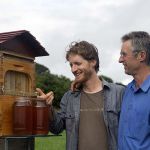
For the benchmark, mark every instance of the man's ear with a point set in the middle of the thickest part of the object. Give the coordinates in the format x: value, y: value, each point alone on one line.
x: 93, y: 63
x: 142, y: 56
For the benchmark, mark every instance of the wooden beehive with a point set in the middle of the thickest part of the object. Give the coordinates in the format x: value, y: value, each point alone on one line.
x: 18, y: 50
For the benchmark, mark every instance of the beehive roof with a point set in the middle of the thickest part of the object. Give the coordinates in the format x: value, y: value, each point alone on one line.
x: 26, y: 36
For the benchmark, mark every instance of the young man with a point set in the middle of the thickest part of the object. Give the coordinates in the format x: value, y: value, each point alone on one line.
x: 134, y: 125
x: 90, y: 115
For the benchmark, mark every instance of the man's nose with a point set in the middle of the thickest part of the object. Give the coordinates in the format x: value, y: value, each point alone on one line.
x: 120, y: 59
x: 73, y: 68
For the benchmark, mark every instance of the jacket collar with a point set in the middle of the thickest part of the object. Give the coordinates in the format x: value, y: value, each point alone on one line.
x: 104, y: 83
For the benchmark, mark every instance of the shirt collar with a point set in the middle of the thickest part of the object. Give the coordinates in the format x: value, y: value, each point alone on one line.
x: 144, y: 86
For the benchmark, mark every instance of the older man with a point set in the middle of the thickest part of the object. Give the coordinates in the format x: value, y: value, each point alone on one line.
x: 134, y: 126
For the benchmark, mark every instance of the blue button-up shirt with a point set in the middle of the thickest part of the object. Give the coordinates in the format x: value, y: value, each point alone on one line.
x: 134, y: 126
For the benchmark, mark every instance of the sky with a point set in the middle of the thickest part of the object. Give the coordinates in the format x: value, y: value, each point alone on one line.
x: 57, y: 23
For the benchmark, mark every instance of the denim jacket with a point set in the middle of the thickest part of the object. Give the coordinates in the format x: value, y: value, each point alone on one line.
x: 69, y: 115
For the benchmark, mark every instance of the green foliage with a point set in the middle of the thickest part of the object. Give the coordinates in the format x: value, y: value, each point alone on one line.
x: 50, y: 82
x: 108, y: 79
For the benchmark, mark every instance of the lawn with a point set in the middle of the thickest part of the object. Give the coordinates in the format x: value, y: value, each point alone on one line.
x: 51, y: 143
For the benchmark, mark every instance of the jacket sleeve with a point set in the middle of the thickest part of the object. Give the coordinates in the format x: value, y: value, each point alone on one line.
x: 57, y: 125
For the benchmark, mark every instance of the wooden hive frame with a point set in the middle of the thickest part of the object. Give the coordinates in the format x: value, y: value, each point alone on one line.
x: 7, y: 97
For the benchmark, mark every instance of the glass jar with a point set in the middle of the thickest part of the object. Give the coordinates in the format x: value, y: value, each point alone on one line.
x: 40, y: 116
x: 22, y: 116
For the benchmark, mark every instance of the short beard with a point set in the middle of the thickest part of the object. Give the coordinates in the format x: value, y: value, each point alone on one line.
x: 87, y: 75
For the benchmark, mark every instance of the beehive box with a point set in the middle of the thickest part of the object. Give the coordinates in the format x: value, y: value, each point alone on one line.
x: 18, y: 50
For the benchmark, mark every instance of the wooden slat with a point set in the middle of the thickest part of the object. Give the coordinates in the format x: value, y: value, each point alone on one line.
x: 6, y: 108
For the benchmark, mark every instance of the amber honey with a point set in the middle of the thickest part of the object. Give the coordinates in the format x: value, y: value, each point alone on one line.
x: 22, y: 117
x: 40, y: 117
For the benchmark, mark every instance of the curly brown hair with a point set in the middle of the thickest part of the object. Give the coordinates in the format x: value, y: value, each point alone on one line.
x: 85, y: 49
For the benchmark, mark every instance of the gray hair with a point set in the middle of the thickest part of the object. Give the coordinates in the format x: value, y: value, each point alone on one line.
x: 140, y: 41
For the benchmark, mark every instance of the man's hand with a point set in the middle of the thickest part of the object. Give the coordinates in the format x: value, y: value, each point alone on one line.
x: 75, y: 86
x: 48, y: 97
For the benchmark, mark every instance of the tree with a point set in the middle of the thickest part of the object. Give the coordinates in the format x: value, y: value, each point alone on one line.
x: 40, y: 69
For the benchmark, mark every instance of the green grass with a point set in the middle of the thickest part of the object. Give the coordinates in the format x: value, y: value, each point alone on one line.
x: 51, y: 143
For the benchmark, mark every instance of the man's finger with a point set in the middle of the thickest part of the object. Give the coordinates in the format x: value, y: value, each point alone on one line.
x: 50, y: 94
x: 40, y: 91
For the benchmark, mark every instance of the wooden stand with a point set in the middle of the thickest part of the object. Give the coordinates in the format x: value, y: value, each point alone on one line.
x: 20, y: 142
x: 17, y: 143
